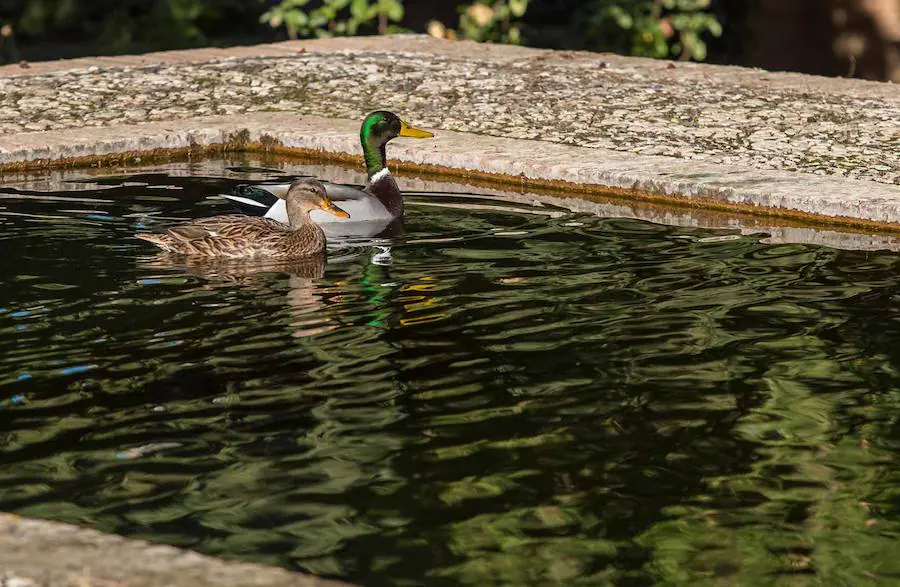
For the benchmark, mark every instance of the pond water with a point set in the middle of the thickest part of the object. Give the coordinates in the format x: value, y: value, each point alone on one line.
x: 501, y: 395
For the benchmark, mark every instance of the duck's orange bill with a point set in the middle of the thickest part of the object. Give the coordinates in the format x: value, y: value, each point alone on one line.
x: 329, y: 207
x: 413, y: 132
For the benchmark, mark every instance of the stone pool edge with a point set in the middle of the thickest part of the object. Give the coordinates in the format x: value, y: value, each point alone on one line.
x: 514, y: 163
x: 39, y: 553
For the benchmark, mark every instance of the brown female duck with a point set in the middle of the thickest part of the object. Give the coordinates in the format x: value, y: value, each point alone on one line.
x: 236, y: 236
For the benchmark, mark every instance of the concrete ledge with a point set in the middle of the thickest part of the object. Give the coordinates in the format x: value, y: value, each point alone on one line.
x: 720, y: 137
x: 36, y: 553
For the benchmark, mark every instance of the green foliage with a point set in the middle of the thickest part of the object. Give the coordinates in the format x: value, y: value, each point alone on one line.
x: 110, y: 26
x: 651, y: 28
x: 493, y: 21
x: 334, y: 17
x: 655, y: 28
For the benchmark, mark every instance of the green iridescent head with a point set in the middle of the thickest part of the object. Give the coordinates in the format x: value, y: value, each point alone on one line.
x: 377, y: 129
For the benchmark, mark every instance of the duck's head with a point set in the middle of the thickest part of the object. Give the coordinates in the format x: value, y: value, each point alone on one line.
x: 305, y: 195
x: 381, y: 126
x: 377, y: 129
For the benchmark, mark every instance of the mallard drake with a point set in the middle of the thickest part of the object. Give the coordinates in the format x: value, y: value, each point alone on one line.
x: 238, y: 236
x: 371, y: 208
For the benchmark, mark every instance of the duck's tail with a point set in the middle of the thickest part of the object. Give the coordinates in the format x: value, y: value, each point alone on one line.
x: 253, y: 200
x: 162, y: 241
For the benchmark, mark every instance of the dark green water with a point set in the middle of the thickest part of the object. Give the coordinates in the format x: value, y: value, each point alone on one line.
x: 518, y: 399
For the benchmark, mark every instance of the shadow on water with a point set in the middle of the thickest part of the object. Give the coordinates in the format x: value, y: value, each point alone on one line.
x: 503, y: 394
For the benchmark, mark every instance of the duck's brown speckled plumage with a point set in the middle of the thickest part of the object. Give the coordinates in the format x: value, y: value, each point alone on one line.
x: 236, y: 236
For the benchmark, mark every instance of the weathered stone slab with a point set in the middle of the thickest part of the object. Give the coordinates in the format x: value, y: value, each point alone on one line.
x: 36, y: 553
x: 716, y: 136
x: 702, y: 113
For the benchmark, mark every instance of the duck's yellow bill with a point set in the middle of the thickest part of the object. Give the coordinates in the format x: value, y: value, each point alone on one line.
x: 413, y: 132
x: 329, y: 207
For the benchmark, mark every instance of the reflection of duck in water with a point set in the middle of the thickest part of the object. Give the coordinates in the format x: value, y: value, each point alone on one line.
x: 239, y: 270
x: 237, y: 236
x: 305, y: 296
x: 384, y: 256
x: 372, y: 209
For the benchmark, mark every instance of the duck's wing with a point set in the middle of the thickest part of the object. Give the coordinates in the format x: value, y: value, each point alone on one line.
x: 345, y: 193
x: 188, y: 233
x: 229, y: 225
x: 234, y: 236
x: 233, y: 229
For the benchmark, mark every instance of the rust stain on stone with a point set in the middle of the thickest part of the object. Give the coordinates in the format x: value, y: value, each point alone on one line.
x: 270, y: 143
x: 238, y: 141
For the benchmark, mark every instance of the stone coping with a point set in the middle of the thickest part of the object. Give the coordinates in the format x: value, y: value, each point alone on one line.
x: 725, y: 138
x: 38, y: 553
